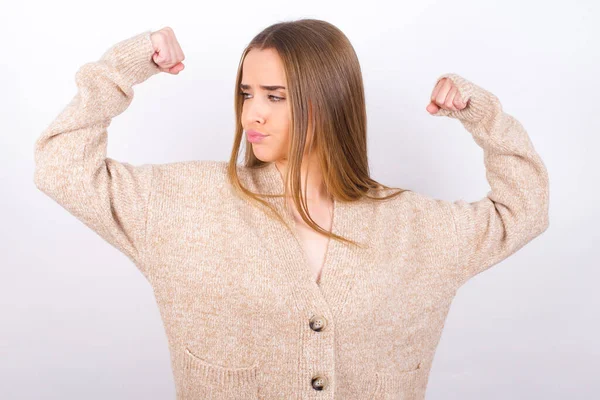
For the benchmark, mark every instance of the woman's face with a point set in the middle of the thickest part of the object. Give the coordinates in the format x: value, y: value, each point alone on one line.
x: 266, y: 109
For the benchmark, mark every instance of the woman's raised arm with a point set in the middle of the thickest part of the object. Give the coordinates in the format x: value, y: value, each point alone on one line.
x: 71, y: 166
x: 515, y: 211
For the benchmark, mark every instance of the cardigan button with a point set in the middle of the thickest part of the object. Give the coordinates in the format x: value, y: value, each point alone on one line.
x: 317, y: 323
x: 319, y: 382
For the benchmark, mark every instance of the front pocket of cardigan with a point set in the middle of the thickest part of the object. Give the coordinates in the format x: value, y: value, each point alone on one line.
x: 204, y: 380
x: 398, y: 385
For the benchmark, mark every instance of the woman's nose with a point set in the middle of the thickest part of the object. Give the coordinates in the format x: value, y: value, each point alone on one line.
x: 257, y: 112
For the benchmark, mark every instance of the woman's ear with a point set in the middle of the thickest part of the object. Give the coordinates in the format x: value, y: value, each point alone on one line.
x: 310, y: 114
x: 310, y: 129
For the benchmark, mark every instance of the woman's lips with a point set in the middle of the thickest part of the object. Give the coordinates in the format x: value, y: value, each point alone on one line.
x: 255, y: 137
x: 253, y: 132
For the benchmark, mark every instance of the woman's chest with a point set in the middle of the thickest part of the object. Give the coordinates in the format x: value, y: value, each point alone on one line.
x: 314, y: 244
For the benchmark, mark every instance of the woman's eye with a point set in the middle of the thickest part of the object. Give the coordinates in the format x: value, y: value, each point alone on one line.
x: 274, y: 99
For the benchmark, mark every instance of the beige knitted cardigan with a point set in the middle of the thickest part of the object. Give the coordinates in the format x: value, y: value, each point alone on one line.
x: 249, y: 322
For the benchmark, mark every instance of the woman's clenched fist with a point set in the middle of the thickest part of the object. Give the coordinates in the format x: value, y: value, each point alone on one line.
x: 445, y: 95
x: 167, y: 52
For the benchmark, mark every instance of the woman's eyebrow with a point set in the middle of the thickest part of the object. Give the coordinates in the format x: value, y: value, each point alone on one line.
x: 265, y: 87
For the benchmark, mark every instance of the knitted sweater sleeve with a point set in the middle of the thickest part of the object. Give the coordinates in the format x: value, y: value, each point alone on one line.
x: 71, y: 166
x: 516, y: 209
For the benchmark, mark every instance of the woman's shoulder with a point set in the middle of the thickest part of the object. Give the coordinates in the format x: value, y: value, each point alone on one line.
x: 191, y: 166
x: 411, y: 202
x: 190, y: 174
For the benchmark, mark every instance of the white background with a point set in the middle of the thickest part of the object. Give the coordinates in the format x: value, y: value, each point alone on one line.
x: 79, y: 321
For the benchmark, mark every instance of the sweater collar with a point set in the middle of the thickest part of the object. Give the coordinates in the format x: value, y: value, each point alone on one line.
x: 350, y: 220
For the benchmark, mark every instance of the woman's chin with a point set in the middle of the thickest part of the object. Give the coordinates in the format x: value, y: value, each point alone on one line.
x: 263, y: 154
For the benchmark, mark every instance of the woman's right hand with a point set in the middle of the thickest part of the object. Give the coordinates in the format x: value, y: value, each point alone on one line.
x: 167, y: 52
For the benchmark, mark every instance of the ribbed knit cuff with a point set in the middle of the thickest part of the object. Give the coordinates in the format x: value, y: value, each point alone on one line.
x: 482, y: 106
x: 133, y: 58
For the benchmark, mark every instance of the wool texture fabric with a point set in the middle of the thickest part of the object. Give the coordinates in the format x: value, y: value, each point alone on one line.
x: 249, y: 321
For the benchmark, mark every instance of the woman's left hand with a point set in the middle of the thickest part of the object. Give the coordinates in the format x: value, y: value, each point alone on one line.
x: 445, y: 95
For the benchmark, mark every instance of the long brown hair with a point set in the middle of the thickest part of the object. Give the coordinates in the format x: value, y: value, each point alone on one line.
x: 324, y: 82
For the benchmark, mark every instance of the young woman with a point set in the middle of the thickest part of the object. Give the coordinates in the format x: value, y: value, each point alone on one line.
x: 293, y: 274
